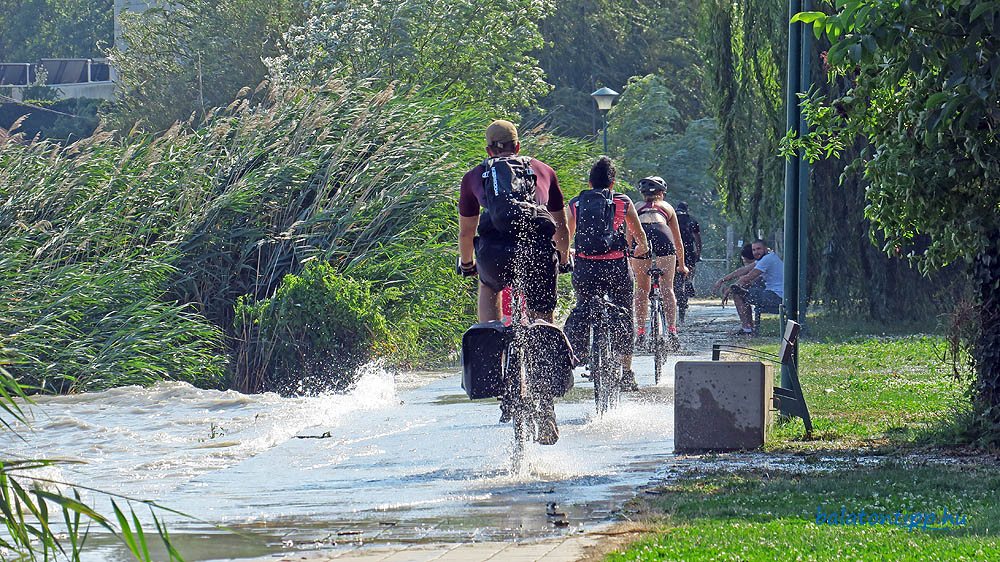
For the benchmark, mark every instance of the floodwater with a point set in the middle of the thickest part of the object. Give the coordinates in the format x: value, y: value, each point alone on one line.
x: 403, y: 458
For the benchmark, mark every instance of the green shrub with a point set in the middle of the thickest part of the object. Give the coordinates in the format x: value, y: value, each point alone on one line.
x: 70, y: 119
x: 313, y: 334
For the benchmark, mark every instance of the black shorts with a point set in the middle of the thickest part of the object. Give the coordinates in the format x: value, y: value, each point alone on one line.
x: 606, y: 277
x: 499, y: 260
x: 761, y: 297
x: 659, y: 239
x: 603, y: 277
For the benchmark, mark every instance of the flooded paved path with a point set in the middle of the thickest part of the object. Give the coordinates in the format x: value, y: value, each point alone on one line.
x: 403, y: 462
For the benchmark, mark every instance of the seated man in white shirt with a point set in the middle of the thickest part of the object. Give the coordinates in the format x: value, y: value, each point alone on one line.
x: 768, y: 267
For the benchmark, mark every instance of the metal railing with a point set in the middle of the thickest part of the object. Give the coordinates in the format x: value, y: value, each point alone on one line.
x: 59, y: 72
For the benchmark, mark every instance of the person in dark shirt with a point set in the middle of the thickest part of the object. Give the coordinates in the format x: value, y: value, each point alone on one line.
x: 608, y: 273
x: 496, y: 256
x: 691, y: 235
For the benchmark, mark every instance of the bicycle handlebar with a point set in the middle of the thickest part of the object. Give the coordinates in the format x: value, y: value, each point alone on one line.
x: 631, y: 253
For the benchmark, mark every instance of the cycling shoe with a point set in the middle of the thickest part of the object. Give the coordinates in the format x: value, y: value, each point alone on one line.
x: 628, y: 383
x: 548, y: 431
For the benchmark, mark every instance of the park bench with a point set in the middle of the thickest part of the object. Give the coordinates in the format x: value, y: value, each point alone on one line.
x: 790, y: 400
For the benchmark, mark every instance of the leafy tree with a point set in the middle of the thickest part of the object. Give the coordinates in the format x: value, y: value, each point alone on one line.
x: 35, y: 29
x: 648, y: 137
x: 476, y: 51
x: 745, y: 46
x: 744, y: 42
x: 920, y: 86
x: 622, y: 40
x: 180, y: 62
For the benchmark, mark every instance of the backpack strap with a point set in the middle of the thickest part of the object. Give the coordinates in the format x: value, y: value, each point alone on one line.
x: 652, y: 207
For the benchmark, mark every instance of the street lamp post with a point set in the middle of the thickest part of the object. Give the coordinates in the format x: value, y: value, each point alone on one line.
x: 604, y: 97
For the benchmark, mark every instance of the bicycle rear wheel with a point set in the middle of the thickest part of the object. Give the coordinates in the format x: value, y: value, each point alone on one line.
x: 660, y: 350
x: 607, y: 371
x: 655, y: 337
x: 522, y: 412
x: 598, y: 363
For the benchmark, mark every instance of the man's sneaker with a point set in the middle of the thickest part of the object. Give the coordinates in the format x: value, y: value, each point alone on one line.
x: 673, y: 343
x: 505, y: 412
x: 548, y: 431
x: 628, y: 383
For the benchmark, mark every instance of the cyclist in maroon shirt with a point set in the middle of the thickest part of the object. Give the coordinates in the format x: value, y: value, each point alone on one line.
x: 494, y: 255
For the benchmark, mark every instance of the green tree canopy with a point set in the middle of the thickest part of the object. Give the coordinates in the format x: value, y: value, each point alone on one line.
x: 194, y: 56
x: 36, y: 29
x: 922, y: 89
x: 593, y: 43
x: 476, y: 51
x: 920, y: 86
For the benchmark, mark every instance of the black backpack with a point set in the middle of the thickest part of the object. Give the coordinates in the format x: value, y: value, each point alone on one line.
x: 686, y: 225
x: 595, y: 223
x: 509, y: 197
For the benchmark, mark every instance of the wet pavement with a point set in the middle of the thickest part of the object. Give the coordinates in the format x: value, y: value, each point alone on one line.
x: 706, y: 323
x: 403, y: 468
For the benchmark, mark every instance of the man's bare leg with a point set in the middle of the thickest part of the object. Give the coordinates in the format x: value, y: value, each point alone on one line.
x: 743, y: 309
x: 489, y: 304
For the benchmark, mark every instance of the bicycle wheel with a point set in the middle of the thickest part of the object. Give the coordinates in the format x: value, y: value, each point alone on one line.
x: 655, y: 337
x: 598, y: 362
x: 522, y: 416
x: 607, y: 374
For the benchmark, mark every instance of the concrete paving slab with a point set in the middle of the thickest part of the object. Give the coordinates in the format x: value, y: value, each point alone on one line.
x: 561, y: 549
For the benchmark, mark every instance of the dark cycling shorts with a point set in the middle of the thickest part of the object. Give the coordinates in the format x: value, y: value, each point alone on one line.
x: 606, y: 277
x: 659, y: 239
x: 497, y: 263
x: 603, y: 277
x: 762, y: 297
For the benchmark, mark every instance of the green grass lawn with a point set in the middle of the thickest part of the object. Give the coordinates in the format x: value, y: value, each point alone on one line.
x: 886, y: 390
x: 757, y: 515
x: 887, y: 414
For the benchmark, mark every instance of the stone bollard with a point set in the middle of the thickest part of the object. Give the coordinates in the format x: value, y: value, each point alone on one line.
x: 722, y: 405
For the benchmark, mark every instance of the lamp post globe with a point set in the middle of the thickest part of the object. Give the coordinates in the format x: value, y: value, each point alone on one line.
x: 604, y: 97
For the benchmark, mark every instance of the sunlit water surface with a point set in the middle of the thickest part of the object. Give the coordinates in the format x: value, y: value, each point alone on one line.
x: 402, y: 458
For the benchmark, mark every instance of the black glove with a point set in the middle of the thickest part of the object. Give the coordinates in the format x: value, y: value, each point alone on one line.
x: 466, y: 269
x: 648, y: 255
x: 567, y: 267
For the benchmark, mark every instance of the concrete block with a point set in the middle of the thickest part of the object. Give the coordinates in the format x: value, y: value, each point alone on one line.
x: 722, y: 405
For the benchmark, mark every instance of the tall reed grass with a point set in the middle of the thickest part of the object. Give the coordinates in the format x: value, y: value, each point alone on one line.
x: 121, y: 257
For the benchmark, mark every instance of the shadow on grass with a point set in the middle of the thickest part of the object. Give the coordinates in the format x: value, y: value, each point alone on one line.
x: 837, y: 328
